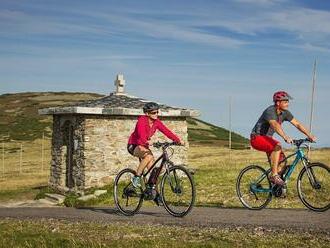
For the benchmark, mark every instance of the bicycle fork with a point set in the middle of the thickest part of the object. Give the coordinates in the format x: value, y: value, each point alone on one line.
x: 311, y: 176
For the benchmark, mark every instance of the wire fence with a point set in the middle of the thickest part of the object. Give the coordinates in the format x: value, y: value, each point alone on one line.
x: 21, y: 158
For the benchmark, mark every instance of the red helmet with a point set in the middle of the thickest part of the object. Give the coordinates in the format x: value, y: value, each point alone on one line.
x: 281, y: 96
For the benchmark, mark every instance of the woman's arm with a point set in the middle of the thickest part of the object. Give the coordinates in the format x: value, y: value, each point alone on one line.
x: 167, y: 132
x: 142, y: 137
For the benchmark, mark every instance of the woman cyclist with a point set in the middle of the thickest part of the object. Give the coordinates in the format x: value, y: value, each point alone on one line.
x: 145, y: 128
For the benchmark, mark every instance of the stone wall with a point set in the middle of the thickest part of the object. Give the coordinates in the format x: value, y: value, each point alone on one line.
x: 105, y: 146
x: 61, y: 143
x: 56, y: 153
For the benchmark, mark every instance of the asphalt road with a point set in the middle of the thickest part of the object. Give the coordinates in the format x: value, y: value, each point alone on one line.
x: 300, y: 219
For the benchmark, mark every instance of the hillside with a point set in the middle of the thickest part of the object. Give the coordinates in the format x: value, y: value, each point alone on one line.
x: 19, y: 119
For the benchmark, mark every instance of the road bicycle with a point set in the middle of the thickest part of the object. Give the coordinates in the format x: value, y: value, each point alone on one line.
x: 177, y: 189
x: 255, y: 190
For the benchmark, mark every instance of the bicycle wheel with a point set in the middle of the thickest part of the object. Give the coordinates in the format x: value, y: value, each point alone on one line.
x: 253, y: 187
x: 178, y: 191
x: 314, y: 186
x: 128, y: 199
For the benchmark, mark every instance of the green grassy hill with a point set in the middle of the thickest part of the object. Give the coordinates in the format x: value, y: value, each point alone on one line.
x: 19, y: 119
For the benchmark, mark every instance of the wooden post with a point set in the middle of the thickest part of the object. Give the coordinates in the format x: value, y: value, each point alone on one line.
x: 230, y: 122
x: 20, y: 159
x: 3, y: 158
x: 229, y: 138
x: 312, y: 104
x: 42, y: 152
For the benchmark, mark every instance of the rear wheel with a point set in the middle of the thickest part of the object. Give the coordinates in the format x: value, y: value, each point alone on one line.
x: 314, y: 186
x: 253, y: 187
x: 178, y: 191
x: 128, y: 199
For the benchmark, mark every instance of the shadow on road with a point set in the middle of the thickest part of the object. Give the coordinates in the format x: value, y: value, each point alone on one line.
x: 152, y: 211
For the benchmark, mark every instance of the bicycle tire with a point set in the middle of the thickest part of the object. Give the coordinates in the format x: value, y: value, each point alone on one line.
x: 167, y: 200
x: 324, y: 186
x: 118, y: 192
x: 259, y: 171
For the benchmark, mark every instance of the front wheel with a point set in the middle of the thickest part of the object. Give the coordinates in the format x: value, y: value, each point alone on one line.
x: 253, y: 187
x: 178, y: 191
x: 314, y: 186
x: 128, y: 199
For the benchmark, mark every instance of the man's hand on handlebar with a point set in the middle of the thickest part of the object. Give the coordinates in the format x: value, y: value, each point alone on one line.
x: 312, y: 138
x: 288, y: 139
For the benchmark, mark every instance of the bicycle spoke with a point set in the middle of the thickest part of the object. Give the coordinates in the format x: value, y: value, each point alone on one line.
x: 314, y: 187
x: 131, y: 198
x: 178, y: 191
x: 253, y: 187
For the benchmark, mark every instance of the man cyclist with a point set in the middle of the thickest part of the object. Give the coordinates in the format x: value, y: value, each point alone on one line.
x: 270, y: 122
x: 145, y: 128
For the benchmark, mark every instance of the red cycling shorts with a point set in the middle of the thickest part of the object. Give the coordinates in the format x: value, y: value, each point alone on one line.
x: 263, y: 143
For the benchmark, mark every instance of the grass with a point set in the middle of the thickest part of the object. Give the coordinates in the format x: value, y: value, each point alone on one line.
x: 215, y: 176
x: 19, y: 118
x: 216, y: 169
x: 57, y: 233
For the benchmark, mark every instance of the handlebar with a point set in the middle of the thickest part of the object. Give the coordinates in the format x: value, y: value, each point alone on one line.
x: 165, y: 144
x: 299, y: 142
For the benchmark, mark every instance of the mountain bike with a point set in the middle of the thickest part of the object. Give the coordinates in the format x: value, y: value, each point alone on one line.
x: 177, y: 189
x: 255, y: 190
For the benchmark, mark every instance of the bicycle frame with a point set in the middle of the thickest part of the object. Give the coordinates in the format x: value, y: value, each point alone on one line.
x: 300, y: 156
x: 165, y: 159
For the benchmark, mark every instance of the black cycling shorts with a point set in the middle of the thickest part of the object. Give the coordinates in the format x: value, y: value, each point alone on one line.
x: 131, y: 148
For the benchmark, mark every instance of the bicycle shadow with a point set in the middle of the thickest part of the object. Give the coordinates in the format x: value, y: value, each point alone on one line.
x: 152, y: 211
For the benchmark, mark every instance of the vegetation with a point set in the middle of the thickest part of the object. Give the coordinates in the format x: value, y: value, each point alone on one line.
x: 56, y: 233
x: 19, y: 118
x: 201, y: 132
x: 215, y: 166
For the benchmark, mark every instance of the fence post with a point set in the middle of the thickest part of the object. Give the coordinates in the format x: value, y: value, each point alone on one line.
x: 42, y: 152
x: 20, y: 159
x: 3, y: 158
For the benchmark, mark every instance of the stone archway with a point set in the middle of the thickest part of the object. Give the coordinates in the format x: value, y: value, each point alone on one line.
x: 68, y: 141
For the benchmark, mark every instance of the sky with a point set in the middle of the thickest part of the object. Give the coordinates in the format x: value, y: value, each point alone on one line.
x: 193, y: 54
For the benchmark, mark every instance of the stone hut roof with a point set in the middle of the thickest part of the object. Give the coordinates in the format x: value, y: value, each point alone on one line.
x: 117, y: 103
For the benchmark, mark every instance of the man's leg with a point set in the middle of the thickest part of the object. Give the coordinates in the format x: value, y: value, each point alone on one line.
x: 274, y: 159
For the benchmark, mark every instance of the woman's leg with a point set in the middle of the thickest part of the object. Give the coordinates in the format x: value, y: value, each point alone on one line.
x: 146, y: 156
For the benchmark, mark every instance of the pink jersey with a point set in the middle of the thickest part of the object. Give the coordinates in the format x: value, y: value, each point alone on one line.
x: 143, y: 131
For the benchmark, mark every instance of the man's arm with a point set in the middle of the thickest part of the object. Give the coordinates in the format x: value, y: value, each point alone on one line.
x: 278, y: 129
x: 302, y: 129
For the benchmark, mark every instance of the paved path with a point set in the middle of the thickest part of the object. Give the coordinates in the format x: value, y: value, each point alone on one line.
x: 203, y: 217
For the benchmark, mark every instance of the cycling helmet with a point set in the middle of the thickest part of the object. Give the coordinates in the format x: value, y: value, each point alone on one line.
x: 281, y: 96
x: 150, y: 106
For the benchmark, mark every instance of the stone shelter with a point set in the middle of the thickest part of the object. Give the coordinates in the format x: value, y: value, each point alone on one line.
x: 89, y: 139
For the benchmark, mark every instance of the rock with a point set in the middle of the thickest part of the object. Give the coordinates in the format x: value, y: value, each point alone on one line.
x: 86, y: 197
x: 100, y: 192
x: 56, y: 198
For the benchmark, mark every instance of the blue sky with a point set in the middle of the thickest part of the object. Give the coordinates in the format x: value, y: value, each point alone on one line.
x: 184, y: 53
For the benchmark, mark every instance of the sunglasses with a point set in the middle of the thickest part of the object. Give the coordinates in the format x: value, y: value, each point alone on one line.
x: 154, y: 112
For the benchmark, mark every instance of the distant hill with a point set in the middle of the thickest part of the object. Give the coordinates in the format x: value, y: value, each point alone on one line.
x: 19, y: 119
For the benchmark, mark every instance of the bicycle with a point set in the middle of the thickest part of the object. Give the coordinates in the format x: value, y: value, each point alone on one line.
x: 177, y: 188
x: 255, y: 190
